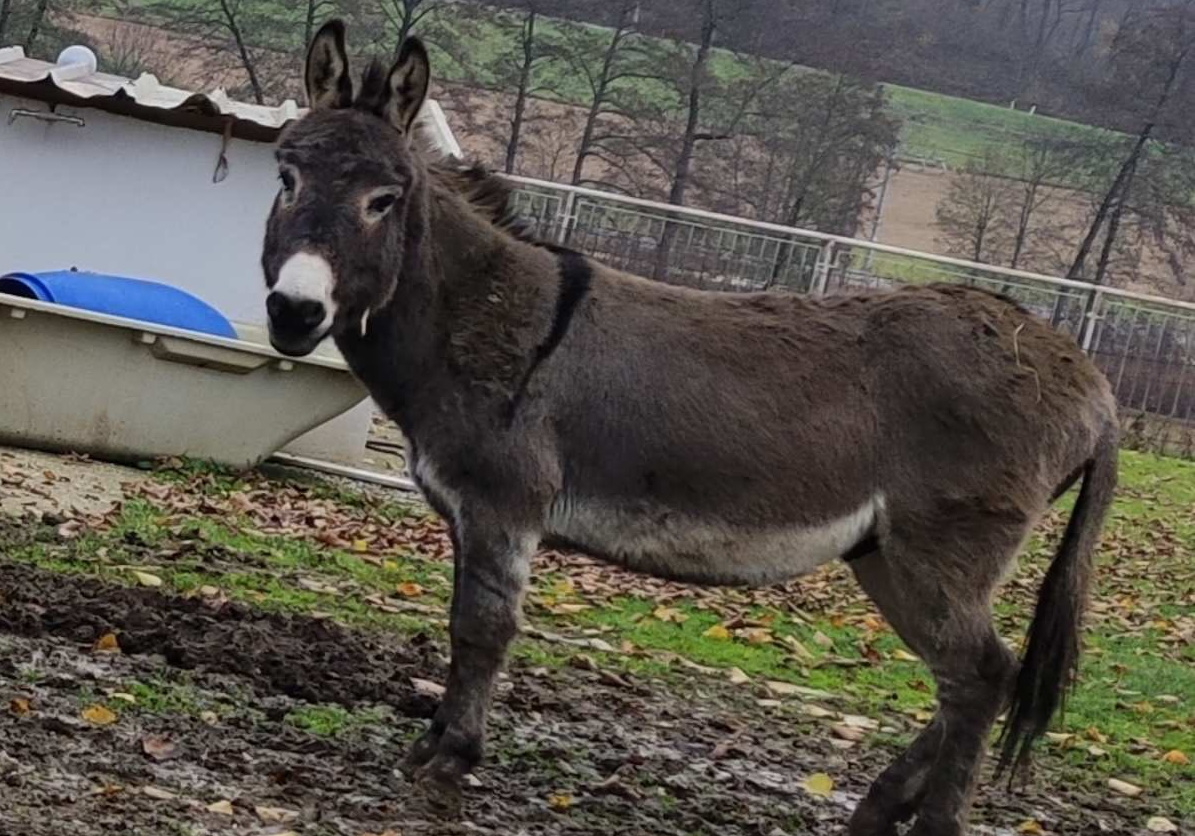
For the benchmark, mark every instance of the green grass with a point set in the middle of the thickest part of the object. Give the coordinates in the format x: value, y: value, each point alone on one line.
x: 336, y: 720
x: 935, y: 126
x: 1135, y: 700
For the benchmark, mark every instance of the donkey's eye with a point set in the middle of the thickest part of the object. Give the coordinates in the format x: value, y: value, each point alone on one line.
x: 382, y: 204
x: 288, y: 182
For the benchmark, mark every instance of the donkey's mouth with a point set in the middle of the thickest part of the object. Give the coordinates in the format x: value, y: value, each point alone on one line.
x: 293, y: 345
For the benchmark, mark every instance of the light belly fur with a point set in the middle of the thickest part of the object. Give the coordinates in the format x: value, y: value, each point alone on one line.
x: 673, y: 545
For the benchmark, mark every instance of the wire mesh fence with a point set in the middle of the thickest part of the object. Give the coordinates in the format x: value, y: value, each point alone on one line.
x: 1145, y: 345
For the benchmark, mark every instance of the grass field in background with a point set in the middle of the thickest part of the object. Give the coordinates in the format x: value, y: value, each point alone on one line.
x: 935, y: 127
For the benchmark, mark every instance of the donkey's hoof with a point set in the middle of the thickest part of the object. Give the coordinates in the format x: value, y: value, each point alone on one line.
x: 420, y: 753
x: 866, y: 822
x: 438, y: 784
x: 930, y: 827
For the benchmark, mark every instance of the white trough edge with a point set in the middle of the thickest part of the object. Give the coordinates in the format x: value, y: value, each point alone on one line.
x: 18, y: 303
x: 355, y: 473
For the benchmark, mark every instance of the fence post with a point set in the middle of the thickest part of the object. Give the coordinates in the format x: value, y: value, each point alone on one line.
x: 1091, y: 316
x: 566, y: 219
x: 821, y: 269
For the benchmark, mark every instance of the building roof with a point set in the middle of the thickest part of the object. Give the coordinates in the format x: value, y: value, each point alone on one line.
x: 73, y: 80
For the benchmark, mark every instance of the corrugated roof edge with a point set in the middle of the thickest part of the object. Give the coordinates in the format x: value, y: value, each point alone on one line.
x: 145, y: 98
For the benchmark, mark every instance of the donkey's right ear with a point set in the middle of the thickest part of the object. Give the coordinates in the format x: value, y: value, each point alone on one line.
x: 329, y: 84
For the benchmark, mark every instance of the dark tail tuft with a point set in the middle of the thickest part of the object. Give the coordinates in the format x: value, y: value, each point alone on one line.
x: 1054, y: 646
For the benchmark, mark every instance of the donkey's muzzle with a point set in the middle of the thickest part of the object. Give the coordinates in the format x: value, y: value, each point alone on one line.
x: 296, y: 324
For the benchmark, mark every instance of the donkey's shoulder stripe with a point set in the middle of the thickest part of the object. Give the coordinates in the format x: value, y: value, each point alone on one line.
x: 576, y: 277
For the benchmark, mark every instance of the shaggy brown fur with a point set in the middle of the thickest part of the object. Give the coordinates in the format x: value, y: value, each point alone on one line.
x: 714, y: 438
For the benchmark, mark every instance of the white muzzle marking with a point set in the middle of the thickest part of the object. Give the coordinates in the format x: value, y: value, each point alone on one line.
x: 308, y: 277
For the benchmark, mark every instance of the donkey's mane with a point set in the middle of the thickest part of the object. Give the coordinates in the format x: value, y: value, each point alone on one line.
x: 488, y: 194
x: 374, y: 79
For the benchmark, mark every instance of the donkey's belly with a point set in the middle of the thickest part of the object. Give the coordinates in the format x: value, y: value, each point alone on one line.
x: 679, y: 547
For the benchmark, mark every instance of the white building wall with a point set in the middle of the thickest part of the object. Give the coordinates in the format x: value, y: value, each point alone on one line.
x: 132, y: 198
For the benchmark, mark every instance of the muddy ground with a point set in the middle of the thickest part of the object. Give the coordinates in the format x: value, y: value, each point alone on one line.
x: 212, y: 745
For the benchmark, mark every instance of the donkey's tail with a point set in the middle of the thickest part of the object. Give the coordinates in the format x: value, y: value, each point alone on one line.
x: 1054, y: 636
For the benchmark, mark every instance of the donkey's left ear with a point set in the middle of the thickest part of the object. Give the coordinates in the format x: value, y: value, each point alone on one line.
x: 406, y: 86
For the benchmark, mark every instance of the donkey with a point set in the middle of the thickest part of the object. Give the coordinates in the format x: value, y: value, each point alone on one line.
x: 713, y: 438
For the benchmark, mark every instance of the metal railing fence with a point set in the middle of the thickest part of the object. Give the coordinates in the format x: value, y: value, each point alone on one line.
x: 1145, y: 344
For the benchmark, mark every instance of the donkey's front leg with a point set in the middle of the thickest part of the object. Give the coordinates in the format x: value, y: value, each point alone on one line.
x: 492, y: 565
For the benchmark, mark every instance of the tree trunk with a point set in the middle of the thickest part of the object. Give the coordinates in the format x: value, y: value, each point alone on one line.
x: 39, y: 16
x: 684, y: 161
x: 601, y: 91
x: 1101, y: 214
x: 5, y: 12
x: 406, y: 16
x: 516, y: 122
x: 309, y: 22
x: 243, y: 51
x: 1127, y: 169
x: 1089, y: 30
x: 1101, y: 268
x: 1023, y: 219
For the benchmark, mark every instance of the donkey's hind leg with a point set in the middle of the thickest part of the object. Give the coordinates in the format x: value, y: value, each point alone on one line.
x: 939, y: 603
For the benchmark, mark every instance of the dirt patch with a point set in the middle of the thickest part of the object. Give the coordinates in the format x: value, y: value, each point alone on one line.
x: 309, y: 659
x: 44, y: 483
x: 573, y: 751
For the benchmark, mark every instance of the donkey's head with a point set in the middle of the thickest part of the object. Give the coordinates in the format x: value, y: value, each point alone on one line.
x: 346, y: 220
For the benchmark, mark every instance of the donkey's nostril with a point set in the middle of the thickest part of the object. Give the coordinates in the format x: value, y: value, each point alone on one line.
x: 294, y: 314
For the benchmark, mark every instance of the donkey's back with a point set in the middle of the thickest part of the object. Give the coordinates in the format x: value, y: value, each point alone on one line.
x: 748, y: 438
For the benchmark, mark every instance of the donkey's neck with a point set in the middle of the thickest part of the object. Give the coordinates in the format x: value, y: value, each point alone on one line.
x: 463, y: 326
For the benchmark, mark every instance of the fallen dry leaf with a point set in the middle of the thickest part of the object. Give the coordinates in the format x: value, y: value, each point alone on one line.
x: 1177, y: 757
x: 223, y: 808
x: 845, y: 732
x: 1161, y: 824
x: 783, y: 689
x: 1032, y: 827
x: 146, y: 579
x: 904, y: 656
x: 718, y: 631
x: 19, y: 706
x: 98, y: 715
x: 427, y: 688
x: 158, y: 748
x: 737, y: 677
x: 1124, y: 787
x: 671, y: 614
x: 561, y: 801
x: 275, y: 815
x: 410, y: 589
x: 158, y: 793
x: 819, y: 784
x: 822, y: 640
x: 107, y: 643
x: 756, y: 635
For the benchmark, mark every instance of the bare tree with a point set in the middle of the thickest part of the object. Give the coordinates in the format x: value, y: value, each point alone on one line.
x: 35, y: 25
x: 698, y: 76
x: 603, y: 73
x: 243, y: 31
x: 313, y: 11
x: 404, y: 17
x: 1151, y: 64
x: 975, y: 210
x: 530, y: 52
x: 5, y: 16
x: 1042, y: 162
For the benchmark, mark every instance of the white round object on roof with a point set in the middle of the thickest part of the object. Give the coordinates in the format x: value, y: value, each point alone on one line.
x: 77, y: 54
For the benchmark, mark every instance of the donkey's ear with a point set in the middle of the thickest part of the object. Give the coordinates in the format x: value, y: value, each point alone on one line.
x: 329, y: 84
x: 406, y: 86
